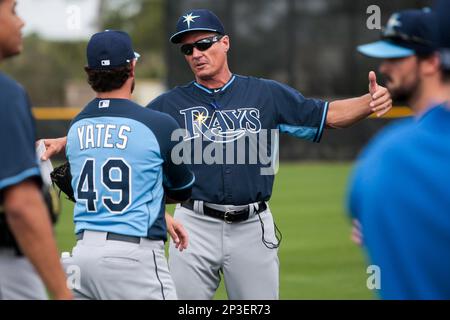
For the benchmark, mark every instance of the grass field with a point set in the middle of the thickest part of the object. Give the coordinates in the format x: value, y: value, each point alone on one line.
x: 317, y: 258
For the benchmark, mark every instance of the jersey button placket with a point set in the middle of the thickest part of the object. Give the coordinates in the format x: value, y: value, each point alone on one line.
x: 228, y: 184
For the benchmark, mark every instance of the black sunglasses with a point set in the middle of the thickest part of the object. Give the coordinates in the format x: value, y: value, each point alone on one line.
x: 202, y: 45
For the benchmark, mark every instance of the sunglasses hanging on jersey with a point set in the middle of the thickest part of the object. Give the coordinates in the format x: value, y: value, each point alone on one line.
x: 202, y: 45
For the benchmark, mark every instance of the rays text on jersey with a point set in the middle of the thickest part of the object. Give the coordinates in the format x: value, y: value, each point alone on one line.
x: 223, y: 125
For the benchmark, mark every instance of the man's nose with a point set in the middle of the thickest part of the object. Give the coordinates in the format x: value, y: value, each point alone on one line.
x: 196, y: 53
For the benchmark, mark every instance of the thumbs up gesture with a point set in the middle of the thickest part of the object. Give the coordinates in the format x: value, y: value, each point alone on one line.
x: 381, y: 98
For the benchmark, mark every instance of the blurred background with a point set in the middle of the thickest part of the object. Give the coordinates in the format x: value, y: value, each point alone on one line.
x: 308, y: 44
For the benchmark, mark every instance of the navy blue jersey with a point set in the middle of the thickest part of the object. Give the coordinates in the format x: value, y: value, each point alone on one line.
x: 119, y: 153
x: 221, y: 127
x: 18, y: 160
x: 400, y: 194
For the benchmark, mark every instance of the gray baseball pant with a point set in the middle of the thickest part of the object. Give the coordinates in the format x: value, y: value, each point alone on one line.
x: 250, y: 269
x: 118, y: 270
x: 18, y: 278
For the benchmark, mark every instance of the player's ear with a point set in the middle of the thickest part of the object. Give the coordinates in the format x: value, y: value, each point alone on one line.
x: 133, y: 68
x: 431, y: 65
x: 226, y: 42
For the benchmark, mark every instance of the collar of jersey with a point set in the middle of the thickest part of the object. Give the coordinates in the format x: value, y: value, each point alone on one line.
x: 431, y: 110
x: 198, y: 85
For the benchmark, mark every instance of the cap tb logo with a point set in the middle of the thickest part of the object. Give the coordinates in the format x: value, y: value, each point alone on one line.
x: 189, y: 18
x: 393, y: 22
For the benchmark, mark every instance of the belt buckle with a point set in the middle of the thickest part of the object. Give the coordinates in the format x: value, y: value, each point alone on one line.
x: 226, y: 215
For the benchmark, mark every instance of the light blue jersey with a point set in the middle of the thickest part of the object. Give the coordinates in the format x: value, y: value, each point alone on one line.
x: 400, y: 193
x: 120, y: 161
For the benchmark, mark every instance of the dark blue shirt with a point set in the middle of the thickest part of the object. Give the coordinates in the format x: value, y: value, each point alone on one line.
x: 400, y: 192
x: 231, y: 132
x: 119, y: 154
x: 18, y: 160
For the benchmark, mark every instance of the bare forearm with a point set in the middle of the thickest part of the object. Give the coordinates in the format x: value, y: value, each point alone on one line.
x: 177, y: 232
x: 344, y: 113
x: 29, y: 221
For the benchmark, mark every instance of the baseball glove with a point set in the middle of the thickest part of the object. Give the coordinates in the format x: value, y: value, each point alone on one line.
x: 62, y: 177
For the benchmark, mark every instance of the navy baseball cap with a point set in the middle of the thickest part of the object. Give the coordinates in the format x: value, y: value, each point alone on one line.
x: 197, y: 20
x: 110, y: 49
x: 442, y: 9
x: 407, y: 33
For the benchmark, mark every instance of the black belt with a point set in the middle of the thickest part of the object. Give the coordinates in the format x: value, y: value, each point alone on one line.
x: 228, y: 216
x: 115, y: 236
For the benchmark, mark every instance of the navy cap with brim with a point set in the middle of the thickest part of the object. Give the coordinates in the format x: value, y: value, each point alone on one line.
x: 110, y: 49
x: 197, y: 20
x: 407, y: 33
x: 385, y: 50
x: 97, y: 66
x: 176, y: 38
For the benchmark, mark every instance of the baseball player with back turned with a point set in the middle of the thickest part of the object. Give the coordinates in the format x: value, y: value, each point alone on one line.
x: 120, y: 180
x: 230, y: 225
x: 27, y: 245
